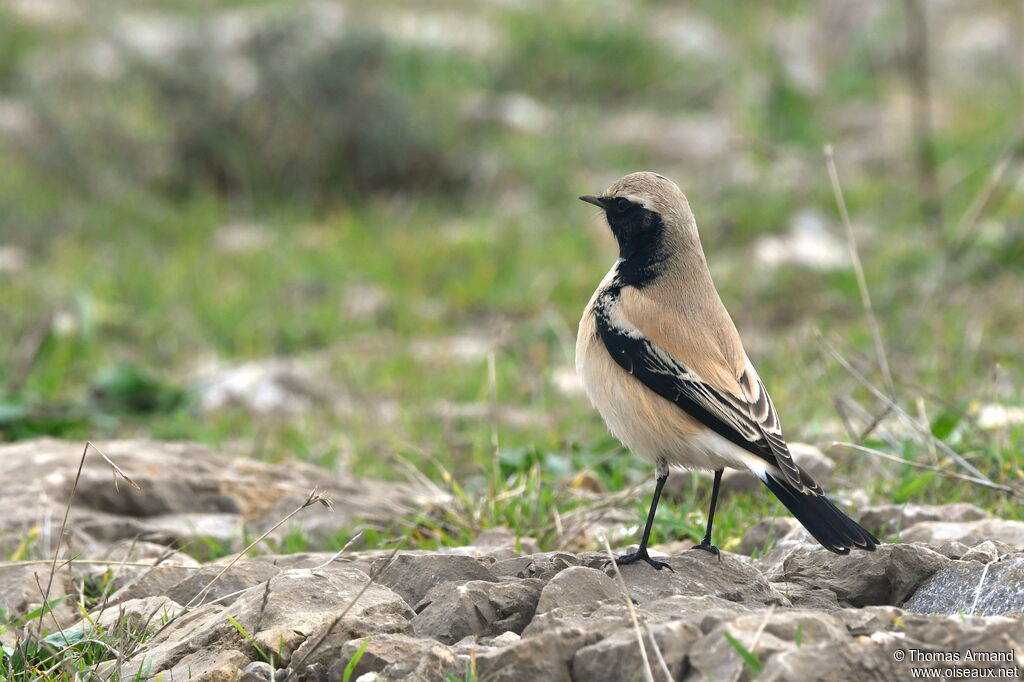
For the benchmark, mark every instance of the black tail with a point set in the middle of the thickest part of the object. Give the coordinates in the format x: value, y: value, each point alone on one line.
x: 832, y: 528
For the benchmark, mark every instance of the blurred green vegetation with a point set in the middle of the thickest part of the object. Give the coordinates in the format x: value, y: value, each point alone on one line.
x: 371, y: 184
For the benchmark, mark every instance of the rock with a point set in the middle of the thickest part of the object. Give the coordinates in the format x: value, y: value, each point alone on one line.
x: 382, y: 651
x: 859, y: 660
x: 894, y: 517
x: 242, y: 575
x: 22, y: 591
x: 988, y: 551
x: 134, y: 615
x: 618, y: 657
x: 296, y: 607
x: 187, y: 491
x: 577, y: 585
x: 699, y: 573
x: 968, y: 532
x: 210, y: 666
x: 766, y: 532
x: 972, y: 588
x: 438, y: 664
x: 888, y: 575
x: 411, y: 576
x: 151, y: 581
x: 607, y: 618
x: 714, y: 657
x: 868, y: 619
x: 257, y: 671
x: 278, y: 386
x: 547, y: 658
x: 452, y: 611
x: 544, y: 565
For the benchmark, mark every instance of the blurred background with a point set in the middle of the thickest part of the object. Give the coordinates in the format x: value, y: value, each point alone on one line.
x: 347, y: 232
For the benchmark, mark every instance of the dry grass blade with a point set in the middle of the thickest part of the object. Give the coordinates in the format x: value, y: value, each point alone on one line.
x: 67, y: 514
x: 927, y: 467
x: 314, y: 498
x: 858, y: 269
x: 117, y: 469
x: 327, y: 632
x: 913, y: 423
x: 647, y: 671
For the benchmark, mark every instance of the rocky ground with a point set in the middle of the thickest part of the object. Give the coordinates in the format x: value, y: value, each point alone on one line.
x: 953, y: 587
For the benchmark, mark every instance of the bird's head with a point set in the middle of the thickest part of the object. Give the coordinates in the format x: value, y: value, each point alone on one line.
x: 646, y: 212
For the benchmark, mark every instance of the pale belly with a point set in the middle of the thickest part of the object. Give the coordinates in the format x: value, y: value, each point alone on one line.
x: 649, y: 425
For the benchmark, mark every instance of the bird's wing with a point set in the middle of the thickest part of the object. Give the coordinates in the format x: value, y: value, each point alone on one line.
x: 741, y: 411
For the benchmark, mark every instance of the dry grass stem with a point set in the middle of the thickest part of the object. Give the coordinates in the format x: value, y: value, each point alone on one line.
x: 927, y: 467
x: 648, y: 673
x: 327, y: 632
x: 920, y: 428
x: 314, y: 498
x: 858, y: 269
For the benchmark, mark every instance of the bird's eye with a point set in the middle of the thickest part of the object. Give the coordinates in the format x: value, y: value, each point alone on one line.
x: 622, y: 205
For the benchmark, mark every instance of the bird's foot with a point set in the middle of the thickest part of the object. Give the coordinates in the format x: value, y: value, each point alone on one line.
x: 641, y: 555
x: 708, y: 547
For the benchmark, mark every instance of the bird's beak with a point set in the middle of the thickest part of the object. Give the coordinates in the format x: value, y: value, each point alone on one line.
x: 593, y: 199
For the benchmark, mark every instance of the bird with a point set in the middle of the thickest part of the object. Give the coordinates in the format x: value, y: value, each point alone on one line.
x: 660, y: 358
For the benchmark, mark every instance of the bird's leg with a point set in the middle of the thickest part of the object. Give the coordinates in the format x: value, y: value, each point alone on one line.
x: 705, y: 544
x: 641, y: 553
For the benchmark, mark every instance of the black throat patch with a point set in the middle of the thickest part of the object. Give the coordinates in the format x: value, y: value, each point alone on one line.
x: 641, y: 235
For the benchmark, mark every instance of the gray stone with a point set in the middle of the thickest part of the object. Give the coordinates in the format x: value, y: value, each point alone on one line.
x: 437, y: 664
x: 618, y: 657
x: 766, y: 532
x: 187, y: 491
x: 544, y: 565
x: 222, y: 665
x: 451, y: 611
x: 380, y: 652
x: 22, y: 590
x: 968, y: 532
x: 971, y: 587
x: 132, y: 616
x: 833, y: 662
x: 242, y: 575
x: 988, y: 551
x: 411, y: 576
x: 577, y: 585
x: 891, y: 518
x: 868, y: 619
x: 295, y: 607
x: 887, y: 575
x: 714, y: 657
x: 257, y: 671
x: 607, y: 617
x: 699, y: 573
x: 547, y: 658
x: 150, y: 582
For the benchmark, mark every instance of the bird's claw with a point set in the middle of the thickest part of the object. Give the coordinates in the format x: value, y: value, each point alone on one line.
x: 640, y: 555
x: 708, y: 547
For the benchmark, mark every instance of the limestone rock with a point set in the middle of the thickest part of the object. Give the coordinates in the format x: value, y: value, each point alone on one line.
x: 971, y: 587
x: 968, y: 532
x: 452, y: 611
x: 699, y: 573
x: 577, y: 585
x: 411, y: 576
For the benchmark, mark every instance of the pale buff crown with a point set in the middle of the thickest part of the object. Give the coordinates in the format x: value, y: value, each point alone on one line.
x: 657, y: 193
